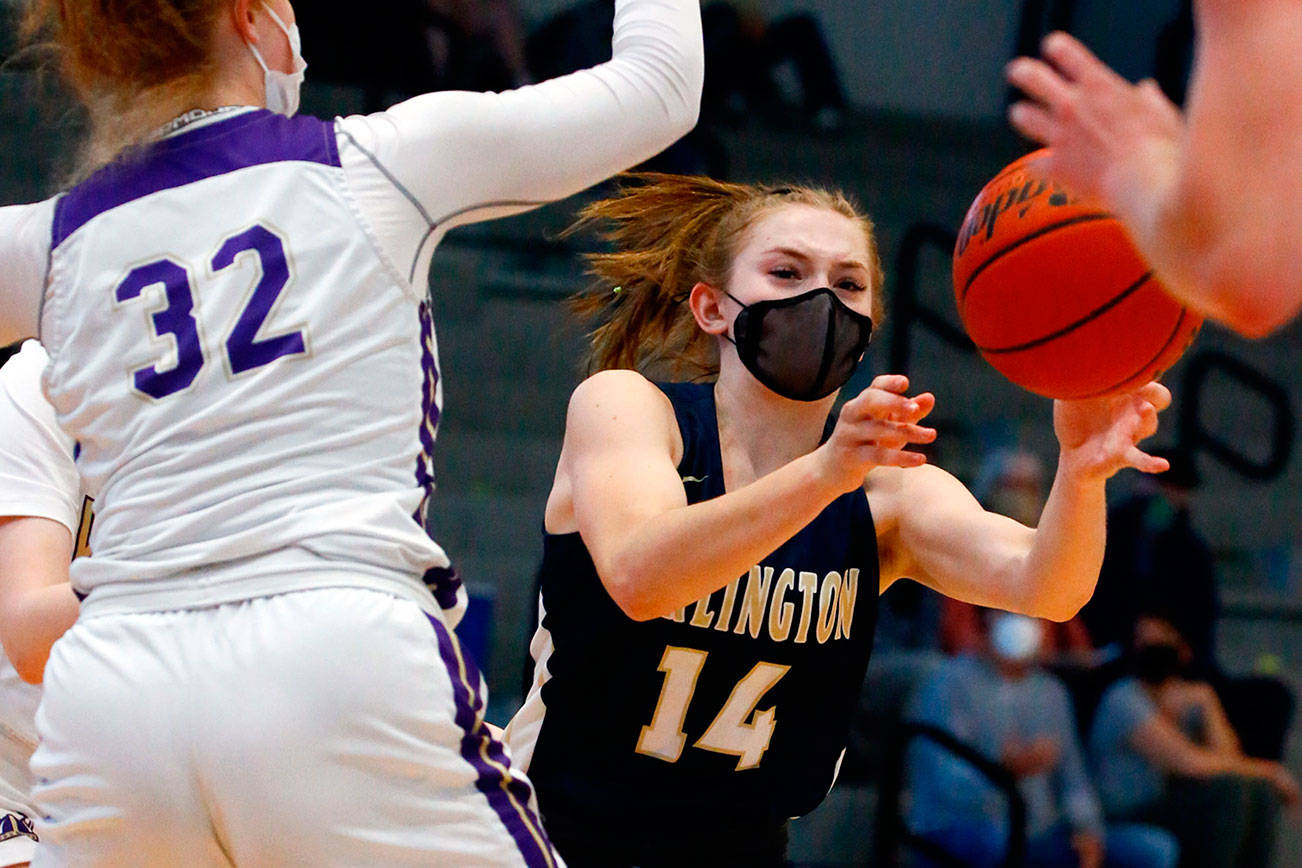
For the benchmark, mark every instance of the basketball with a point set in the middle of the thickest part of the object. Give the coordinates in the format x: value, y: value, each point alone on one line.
x: 1055, y: 296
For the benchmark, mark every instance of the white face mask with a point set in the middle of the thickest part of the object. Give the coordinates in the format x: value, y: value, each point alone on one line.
x: 1015, y: 638
x: 283, y: 87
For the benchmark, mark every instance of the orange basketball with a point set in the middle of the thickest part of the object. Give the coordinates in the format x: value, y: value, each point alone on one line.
x: 1056, y: 297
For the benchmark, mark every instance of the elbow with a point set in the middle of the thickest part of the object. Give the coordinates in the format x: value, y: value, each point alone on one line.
x: 631, y: 591
x: 28, y: 662
x: 633, y: 602
x: 30, y: 668
x: 1058, y: 604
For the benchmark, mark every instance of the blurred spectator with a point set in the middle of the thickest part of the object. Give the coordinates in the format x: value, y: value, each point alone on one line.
x: 385, y: 52
x: 577, y: 38
x: 1007, y: 707
x: 1165, y: 753
x: 1157, y: 564
x: 478, y: 44
x: 743, y: 52
x: 406, y: 47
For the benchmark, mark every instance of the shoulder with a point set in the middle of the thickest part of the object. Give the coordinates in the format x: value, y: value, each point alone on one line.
x: 20, y: 377
x: 619, y: 390
x: 1127, y: 702
x: 620, y: 404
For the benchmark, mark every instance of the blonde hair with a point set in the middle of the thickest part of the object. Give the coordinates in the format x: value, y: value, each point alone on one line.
x: 669, y: 233
x: 133, y: 64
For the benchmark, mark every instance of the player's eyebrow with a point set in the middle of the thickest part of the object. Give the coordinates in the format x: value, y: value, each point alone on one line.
x: 804, y: 257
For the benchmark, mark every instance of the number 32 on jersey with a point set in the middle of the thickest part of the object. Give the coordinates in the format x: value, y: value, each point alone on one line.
x: 244, y: 349
x: 738, y: 729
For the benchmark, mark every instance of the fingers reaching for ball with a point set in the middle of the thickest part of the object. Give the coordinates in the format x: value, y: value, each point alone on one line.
x: 1100, y: 436
x: 875, y: 429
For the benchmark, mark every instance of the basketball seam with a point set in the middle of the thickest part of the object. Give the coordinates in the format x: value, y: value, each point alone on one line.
x: 1179, y: 321
x: 1067, y: 329
x: 1044, y: 230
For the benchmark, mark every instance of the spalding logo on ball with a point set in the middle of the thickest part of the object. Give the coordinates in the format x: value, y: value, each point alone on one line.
x: 1055, y: 296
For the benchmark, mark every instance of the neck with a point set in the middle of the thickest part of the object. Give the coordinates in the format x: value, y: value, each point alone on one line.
x: 760, y: 431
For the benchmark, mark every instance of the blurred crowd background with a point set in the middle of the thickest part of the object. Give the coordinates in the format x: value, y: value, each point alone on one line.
x: 1195, y: 633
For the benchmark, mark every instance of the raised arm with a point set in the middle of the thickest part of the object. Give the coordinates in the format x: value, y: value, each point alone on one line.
x: 1214, y: 203
x: 471, y: 156
x: 653, y: 551
x: 938, y: 534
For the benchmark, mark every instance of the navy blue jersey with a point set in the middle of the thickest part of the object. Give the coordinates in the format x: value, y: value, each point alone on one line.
x: 732, y: 713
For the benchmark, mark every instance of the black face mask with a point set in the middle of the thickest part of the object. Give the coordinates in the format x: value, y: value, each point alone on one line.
x: 804, y: 347
x: 1156, y: 663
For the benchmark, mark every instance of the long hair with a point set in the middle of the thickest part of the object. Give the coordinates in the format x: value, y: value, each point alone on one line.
x: 670, y: 232
x: 133, y: 64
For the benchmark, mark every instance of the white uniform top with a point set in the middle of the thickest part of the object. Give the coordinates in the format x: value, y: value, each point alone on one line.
x: 37, y: 478
x: 237, y: 336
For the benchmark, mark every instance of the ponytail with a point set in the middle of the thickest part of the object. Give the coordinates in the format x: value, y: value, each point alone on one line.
x: 133, y: 64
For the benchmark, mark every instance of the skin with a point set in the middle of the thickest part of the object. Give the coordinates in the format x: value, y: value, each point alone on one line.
x: 237, y: 79
x: 1212, y: 198
x: 621, y: 437
x: 36, y: 602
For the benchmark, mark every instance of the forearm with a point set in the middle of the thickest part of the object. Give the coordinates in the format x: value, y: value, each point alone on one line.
x: 1223, y: 235
x: 677, y: 557
x: 1058, y: 574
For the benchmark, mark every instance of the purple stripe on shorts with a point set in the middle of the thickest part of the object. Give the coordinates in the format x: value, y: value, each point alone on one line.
x: 240, y: 142
x: 508, y: 795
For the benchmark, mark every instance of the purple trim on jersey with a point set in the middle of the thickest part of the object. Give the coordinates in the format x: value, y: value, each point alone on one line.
x: 429, y: 410
x: 509, y: 795
x: 444, y: 583
x: 240, y: 142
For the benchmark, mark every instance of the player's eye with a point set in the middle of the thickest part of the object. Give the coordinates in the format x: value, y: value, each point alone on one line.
x: 851, y: 285
x: 784, y: 273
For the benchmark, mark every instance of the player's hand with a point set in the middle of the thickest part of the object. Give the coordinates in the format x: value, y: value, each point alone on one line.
x: 1111, y: 140
x: 1099, y: 436
x: 874, y: 430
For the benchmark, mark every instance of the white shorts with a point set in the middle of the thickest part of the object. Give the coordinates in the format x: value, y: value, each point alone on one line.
x: 328, y: 727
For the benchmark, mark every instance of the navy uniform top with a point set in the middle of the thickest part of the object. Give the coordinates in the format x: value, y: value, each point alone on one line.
x: 731, y: 714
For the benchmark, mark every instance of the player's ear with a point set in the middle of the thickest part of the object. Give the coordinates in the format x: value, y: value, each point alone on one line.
x: 706, y: 303
x: 242, y: 19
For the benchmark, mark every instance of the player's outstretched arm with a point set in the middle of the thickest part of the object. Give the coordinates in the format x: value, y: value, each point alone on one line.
x: 1214, y: 203
x: 653, y: 551
x: 473, y: 156
x: 937, y: 533
x: 36, y: 602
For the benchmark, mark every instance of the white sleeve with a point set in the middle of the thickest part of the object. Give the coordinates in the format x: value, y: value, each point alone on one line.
x: 37, y: 474
x: 24, y: 254
x: 448, y: 158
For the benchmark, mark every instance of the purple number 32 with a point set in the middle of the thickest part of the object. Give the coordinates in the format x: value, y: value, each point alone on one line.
x: 244, y: 350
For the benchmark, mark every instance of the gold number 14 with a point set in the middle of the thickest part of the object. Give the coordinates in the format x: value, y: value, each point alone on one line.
x: 738, y: 730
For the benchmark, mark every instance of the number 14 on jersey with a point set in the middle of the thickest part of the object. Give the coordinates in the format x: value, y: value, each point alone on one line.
x: 737, y: 730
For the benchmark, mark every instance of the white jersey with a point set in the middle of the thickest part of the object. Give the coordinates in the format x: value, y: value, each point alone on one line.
x: 37, y: 478
x: 238, y: 341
